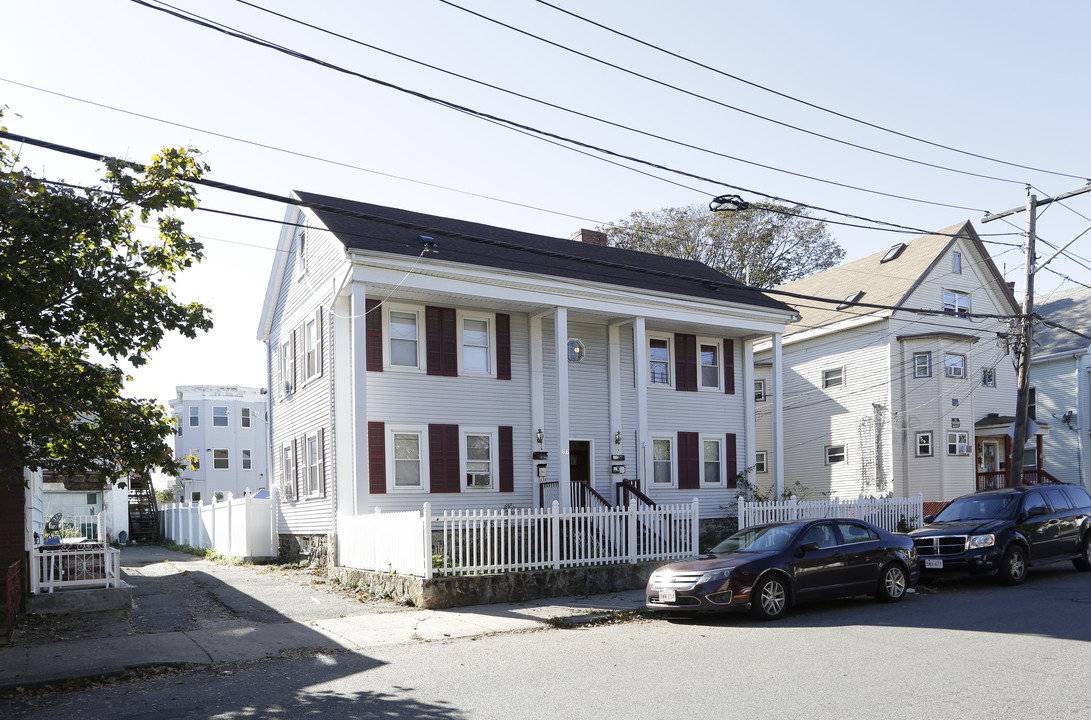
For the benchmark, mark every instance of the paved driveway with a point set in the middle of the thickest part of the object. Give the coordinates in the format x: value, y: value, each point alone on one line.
x: 174, y: 591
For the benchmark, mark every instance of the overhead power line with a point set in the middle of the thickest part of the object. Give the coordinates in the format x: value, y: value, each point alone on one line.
x: 231, y: 32
x: 714, y: 101
x: 812, y: 105
x: 727, y: 282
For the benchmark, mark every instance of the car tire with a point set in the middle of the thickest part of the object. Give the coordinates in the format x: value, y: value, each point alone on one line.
x: 1013, y: 568
x: 769, y: 598
x: 893, y: 584
x: 1083, y: 562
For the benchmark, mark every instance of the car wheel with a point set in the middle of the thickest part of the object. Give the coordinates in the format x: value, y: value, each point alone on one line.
x: 893, y: 584
x: 1083, y: 562
x: 769, y: 599
x: 1013, y: 568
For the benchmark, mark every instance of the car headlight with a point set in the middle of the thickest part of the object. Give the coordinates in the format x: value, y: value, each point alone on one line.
x: 713, y: 575
x: 980, y: 541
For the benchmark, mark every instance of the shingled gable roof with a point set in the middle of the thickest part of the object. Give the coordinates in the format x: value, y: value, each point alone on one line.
x: 889, y: 283
x: 1070, y: 308
x: 375, y: 228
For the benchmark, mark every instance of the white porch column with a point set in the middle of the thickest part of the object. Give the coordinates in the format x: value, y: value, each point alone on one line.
x: 537, y: 393
x: 778, y: 416
x: 357, y: 381
x: 560, y: 337
x: 613, y: 379
x: 750, y: 442
x: 640, y: 377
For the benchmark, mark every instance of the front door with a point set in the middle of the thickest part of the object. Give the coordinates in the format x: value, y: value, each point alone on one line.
x: 990, y: 456
x: 579, y: 460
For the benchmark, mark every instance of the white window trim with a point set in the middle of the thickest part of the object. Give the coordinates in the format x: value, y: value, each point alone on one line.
x: 719, y: 345
x: 759, y: 395
x: 671, y: 369
x: 761, y: 460
x: 286, y: 365
x: 917, y: 444
x: 311, y: 343
x: 844, y: 378
x: 983, y: 376
x: 965, y: 447
x: 673, y: 440
x: 195, y: 453
x: 956, y: 262
x: 228, y: 458
x: 947, y: 368
x: 494, y: 460
x: 194, y: 416
x: 925, y: 354
x: 955, y: 309
x: 844, y: 454
x: 243, y: 459
x: 721, y: 441
x: 246, y: 417
x: 300, y: 242
x: 461, y: 316
x: 421, y: 431
x: 227, y: 416
x: 307, y: 491
x: 418, y: 311
x: 287, y: 474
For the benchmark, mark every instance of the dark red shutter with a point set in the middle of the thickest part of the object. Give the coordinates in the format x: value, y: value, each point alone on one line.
x: 443, y: 463
x: 322, y: 461
x: 685, y: 362
x: 503, y: 347
x: 507, y: 460
x: 689, y: 460
x: 299, y: 454
x: 318, y: 345
x: 440, y: 336
x: 376, y: 457
x: 295, y: 377
x: 731, y: 460
x: 729, y: 366
x: 373, y: 325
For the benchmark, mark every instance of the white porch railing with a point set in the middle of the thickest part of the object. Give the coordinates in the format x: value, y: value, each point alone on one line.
x: 892, y: 514
x: 465, y: 542
x: 71, y: 566
x: 240, y: 527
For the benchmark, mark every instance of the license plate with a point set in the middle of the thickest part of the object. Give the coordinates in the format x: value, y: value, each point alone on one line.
x: 933, y: 564
x: 667, y: 596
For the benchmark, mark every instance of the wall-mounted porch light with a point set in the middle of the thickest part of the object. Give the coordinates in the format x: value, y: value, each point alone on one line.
x: 539, y: 436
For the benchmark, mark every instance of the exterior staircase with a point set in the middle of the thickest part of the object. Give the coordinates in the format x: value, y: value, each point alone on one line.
x: 143, y: 511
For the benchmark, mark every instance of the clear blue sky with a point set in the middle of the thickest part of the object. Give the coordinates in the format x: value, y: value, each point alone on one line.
x: 1002, y: 79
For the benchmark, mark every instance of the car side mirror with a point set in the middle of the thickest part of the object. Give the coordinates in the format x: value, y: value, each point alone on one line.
x: 807, y: 547
x: 929, y: 518
x: 1036, y: 511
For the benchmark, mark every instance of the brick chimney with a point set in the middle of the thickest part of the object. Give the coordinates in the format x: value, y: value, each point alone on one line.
x: 591, y: 237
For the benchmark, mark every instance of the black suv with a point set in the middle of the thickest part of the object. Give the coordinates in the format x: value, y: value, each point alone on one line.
x: 1005, y: 531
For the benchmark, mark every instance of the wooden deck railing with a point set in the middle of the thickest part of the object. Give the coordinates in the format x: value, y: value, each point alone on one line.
x: 999, y: 479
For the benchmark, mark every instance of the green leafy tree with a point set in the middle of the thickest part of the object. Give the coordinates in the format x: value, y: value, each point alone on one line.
x: 83, y: 291
x: 768, y: 243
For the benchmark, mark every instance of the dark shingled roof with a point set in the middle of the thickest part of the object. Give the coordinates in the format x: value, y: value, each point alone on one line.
x: 383, y: 229
x: 1070, y: 308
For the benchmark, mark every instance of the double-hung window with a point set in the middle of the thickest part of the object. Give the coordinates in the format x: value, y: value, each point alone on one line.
x: 710, y: 372
x: 221, y: 459
x: 194, y: 458
x: 244, y: 417
x: 408, y: 466
x: 988, y: 377
x: 833, y: 377
x: 301, y: 245
x: 924, y: 444
x: 954, y: 365
x: 219, y: 416
x: 247, y: 460
x: 711, y: 462
x: 761, y: 462
x: 404, y: 338
x: 310, y: 344
x: 286, y: 366
x: 958, y: 443
x: 287, y: 469
x: 194, y: 416
x: 662, y: 462
x: 659, y: 361
x: 922, y: 364
x: 479, y: 458
x: 835, y: 454
x: 759, y: 391
x: 312, y: 466
x: 956, y: 303
x: 475, y: 345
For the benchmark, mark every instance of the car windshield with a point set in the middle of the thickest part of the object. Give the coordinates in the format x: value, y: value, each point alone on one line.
x: 764, y: 538
x: 980, y: 507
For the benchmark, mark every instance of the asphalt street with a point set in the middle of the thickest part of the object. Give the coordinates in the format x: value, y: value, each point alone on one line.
x: 959, y: 649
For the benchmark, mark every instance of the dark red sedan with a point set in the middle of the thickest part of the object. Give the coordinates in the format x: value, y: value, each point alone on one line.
x: 768, y: 568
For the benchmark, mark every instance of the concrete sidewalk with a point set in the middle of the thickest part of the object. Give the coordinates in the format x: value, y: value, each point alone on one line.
x: 251, y: 613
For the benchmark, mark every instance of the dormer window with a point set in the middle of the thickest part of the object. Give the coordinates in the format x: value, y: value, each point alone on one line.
x: 850, y: 300
x: 893, y: 252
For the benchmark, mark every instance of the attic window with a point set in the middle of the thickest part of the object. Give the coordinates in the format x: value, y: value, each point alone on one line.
x: 893, y: 252
x: 848, y: 301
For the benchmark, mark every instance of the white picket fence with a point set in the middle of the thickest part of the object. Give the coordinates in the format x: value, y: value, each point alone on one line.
x: 240, y: 527
x: 465, y: 542
x: 890, y: 513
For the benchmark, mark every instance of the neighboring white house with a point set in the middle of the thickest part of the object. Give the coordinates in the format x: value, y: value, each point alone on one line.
x: 1059, y: 371
x: 881, y: 400
x: 416, y: 358
x: 223, y: 430
x: 77, y: 500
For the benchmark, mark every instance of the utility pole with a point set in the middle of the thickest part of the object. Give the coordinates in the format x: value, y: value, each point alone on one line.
x: 1026, y: 328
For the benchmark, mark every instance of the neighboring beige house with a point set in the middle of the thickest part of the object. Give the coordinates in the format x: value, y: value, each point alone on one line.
x: 1059, y: 374
x: 880, y: 401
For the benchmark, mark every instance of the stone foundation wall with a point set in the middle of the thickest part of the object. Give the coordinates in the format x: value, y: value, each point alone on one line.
x: 316, y: 549
x: 460, y: 591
